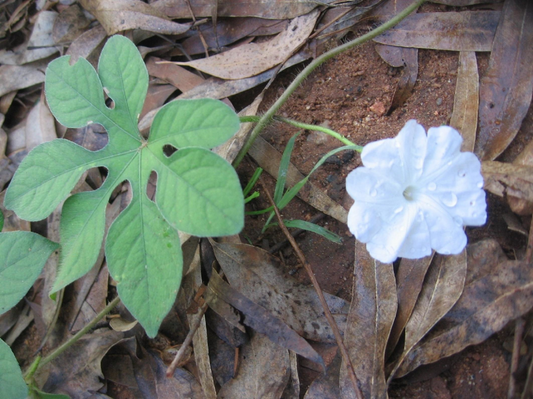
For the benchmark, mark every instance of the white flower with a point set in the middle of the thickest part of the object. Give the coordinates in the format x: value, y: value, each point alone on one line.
x: 415, y: 193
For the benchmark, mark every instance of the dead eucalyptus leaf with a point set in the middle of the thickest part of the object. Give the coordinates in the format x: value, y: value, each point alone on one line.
x: 464, y: 3
x: 409, y: 276
x: 487, y: 304
x: 119, y: 15
x: 69, y: 24
x: 78, y: 369
x: 372, y: 312
x: 271, y: 9
x: 40, y: 126
x: 466, y: 100
x: 455, y: 31
x: 122, y: 325
x: 442, y: 288
x: 257, y: 275
x: 14, y: 77
x: 263, y: 372
x: 156, y: 96
x: 84, y: 45
x: 40, y: 44
x: 228, y: 31
x: 178, y: 76
x: 506, y: 179
x: 507, y: 87
x: 254, y: 58
x: 269, y: 159
x: 397, y: 57
x: 262, y: 320
x: 522, y: 206
x: 326, y: 386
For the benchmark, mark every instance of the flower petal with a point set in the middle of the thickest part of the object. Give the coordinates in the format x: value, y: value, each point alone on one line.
x: 443, y: 144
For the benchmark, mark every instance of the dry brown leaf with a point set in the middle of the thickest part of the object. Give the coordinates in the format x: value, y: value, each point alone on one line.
x: 466, y: 100
x: 16, y: 138
x: 254, y: 58
x: 14, y: 77
x: 269, y: 158
x: 228, y: 31
x: 508, y: 179
x: 409, y: 276
x: 69, y: 24
x: 487, y: 304
x: 84, y: 45
x: 120, y: 15
x: 507, y: 87
x: 78, y: 369
x: 272, y: 9
x: 40, y: 126
x: 40, y: 44
x: 326, y: 386
x: 11, y: 220
x: 263, y: 372
x: 178, y: 76
x: 455, y: 31
x: 372, y: 312
x: 257, y: 275
x: 397, y: 57
x: 463, y: 3
x: 262, y: 320
x: 442, y: 288
x: 156, y: 96
x: 522, y: 206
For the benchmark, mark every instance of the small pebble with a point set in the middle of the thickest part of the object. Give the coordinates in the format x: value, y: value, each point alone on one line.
x: 439, y: 101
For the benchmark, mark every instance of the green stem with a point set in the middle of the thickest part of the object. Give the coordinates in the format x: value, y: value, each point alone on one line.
x: 269, y: 115
x: 74, y: 339
x: 306, y: 126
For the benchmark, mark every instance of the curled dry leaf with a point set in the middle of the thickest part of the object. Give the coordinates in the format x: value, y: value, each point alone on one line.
x: 119, y: 15
x: 442, y: 288
x: 372, y: 312
x: 507, y: 87
x: 455, y: 31
x: 258, y: 276
x: 270, y: 9
x: 409, y: 276
x: 487, y: 304
x: 264, y: 371
x: 261, y: 320
x: 253, y: 58
x: 466, y: 100
x: 78, y: 369
x: 398, y: 57
x: 14, y: 77
x: 522, y: 206
x: 84, y: 45
x: 506, y: 179
x: 69, y: 24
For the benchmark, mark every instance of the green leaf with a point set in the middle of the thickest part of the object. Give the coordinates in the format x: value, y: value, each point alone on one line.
x: 201, y: 123
x: 23, y: 257
x: 37, y: 393
x: 314, y: 228
x: 1, y: 220
x: 197, y: 191
x: 12, y: 384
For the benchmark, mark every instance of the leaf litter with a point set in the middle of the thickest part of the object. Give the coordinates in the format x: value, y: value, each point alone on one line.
x: 426, y: 328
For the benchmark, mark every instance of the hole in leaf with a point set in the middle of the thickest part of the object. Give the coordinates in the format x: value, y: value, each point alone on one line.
x: 168, y: 150
x: 108, y: 100
x: 151, y: 186
x: 95, y: 177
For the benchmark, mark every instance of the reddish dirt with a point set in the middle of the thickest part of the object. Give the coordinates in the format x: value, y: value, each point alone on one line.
x: 349, y: 95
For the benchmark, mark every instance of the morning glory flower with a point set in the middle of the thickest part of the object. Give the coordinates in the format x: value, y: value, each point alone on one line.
x: 415, y: 193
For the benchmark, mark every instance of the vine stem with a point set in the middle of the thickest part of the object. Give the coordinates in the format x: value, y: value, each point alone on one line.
x: 305, y: 126
x: 60, y: 349
x: 269, y: 115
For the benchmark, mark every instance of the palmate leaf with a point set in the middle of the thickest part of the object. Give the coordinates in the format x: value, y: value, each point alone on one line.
x: 197, y: 191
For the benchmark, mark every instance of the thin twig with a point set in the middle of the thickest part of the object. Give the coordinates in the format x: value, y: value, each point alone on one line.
x: 188, y: 339
x: 327, y: 312
x: 267, y: 117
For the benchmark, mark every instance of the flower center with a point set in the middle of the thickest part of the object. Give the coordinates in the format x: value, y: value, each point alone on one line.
x: 409, y: 193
